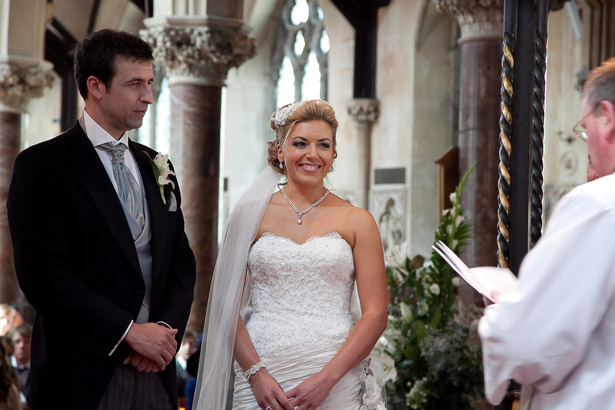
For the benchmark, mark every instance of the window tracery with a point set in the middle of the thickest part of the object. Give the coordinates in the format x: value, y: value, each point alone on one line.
x: 301, y: 53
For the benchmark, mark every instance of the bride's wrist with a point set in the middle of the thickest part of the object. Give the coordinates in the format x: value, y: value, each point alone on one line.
x: 253, y: 370
x: 258, y: 376
x: 328, y: 377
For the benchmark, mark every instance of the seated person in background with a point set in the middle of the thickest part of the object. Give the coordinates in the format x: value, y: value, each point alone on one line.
x: 192, y: 367
x: 9, y: 318
x: 7, y: 344
x: 9, y: 393
x: 21, y: 337
x: 187, y: 348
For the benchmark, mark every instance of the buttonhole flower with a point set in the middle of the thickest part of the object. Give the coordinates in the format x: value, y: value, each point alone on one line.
x: 162, y: 171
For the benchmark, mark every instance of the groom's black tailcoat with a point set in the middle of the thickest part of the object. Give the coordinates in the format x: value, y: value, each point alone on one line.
x: 77, y: 265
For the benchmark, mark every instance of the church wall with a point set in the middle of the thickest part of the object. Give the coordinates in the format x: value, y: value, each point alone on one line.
x: 73, y: 15
x: 340, y: 84
x: 434, y: 116
x: 123, y: 14
x: 565, y: 158
x: 21, y: 41
x: 42, y: 118
x: 247, y: 107
x: 246, y: 112
x: 400, y: 138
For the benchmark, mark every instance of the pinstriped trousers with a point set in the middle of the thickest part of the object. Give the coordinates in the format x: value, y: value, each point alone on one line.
x: 131, y: 389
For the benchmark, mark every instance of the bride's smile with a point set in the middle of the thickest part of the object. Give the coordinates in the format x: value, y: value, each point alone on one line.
x: 308, y: 152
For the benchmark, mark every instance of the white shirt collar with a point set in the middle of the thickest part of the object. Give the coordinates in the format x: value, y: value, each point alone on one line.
x: 15, y: 365
x: 97, y: 134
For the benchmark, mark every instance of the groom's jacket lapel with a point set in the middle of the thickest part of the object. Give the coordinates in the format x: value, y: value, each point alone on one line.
x: 158, y: 211
x: 82, y: 156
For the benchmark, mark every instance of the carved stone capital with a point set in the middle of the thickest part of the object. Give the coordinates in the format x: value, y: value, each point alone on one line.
x: 19, y: 84
x: 199, y: 54
x: 478, y: 19
x: 364, y: 110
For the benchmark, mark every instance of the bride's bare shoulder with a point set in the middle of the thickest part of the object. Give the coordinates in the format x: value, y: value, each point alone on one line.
x: 352, y: 213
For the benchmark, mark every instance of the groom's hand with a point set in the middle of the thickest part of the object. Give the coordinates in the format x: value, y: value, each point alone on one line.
x: 141, y: 363
x: 152, y: 341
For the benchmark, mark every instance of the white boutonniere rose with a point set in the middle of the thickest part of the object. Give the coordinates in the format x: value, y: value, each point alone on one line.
x: 162, y: 171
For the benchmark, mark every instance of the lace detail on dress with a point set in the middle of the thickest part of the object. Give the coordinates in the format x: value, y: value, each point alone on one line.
x: 372, y: 389
x: 300, y: 292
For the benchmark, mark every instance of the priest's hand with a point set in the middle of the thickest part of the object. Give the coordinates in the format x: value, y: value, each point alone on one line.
x: 495, y: 297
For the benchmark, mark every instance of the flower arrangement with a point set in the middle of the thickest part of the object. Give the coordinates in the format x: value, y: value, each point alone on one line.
x: 435, y: 349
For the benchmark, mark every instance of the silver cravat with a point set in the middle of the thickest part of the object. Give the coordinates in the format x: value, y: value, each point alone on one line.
x: 127, y: 186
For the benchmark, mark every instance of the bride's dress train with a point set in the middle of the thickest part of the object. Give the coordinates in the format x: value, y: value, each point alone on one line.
x: 301, y: 299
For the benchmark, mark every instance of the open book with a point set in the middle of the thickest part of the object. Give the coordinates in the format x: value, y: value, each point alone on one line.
x: 484, y: 279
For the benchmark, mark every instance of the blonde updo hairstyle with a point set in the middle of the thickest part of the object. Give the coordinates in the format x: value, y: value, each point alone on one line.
x: 286, y: 117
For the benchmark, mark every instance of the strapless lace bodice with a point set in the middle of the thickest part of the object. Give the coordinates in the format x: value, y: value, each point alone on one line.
x: 301, y: 316
x: 301, y: 292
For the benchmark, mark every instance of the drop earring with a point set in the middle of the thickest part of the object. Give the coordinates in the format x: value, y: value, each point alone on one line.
x: 281, y: 165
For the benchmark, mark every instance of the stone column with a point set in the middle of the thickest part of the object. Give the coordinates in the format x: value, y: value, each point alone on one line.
x: 23, y: 75
x: 197, y: 53
x: 17, y: 85
x: 365, y: 112
x: 480, y: 44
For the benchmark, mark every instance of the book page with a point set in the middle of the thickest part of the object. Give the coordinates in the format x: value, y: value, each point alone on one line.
x: 484, y: 279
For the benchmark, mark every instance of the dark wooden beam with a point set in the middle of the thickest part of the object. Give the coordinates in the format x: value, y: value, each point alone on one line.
x: 146, y: 5
x: 363, y: 16
x: 522, y: 134
x: 349, y: 9
x: 93, y: 17
x: 522, y: 125
x: 59, y: 50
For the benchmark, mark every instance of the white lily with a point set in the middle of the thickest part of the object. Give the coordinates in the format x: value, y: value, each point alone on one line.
x: 162, y: 171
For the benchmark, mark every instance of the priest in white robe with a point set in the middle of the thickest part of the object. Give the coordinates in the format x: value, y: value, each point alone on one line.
x: 556, y: 333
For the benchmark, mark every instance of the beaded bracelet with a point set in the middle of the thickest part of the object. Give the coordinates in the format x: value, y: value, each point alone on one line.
x: 252, y: 370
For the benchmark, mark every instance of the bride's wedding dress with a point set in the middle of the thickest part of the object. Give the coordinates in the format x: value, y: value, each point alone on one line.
x: 301, y: 314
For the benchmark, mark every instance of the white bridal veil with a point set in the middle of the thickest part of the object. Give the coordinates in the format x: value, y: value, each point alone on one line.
x: 225, y: 295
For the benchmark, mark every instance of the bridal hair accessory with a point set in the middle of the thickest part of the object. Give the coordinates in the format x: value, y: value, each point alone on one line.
x: 305, y: 211
x: 253, y: 370
x: 280, y: 116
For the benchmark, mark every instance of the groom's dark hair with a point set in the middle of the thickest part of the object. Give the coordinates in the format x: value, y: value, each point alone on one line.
x: 97, y: 53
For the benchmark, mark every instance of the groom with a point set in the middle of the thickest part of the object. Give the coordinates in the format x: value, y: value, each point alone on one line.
x: 99, y: 245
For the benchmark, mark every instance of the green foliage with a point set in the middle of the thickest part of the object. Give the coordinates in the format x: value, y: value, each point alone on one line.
x: 436, y: 351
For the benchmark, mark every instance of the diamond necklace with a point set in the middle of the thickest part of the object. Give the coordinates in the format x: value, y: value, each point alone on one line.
x: 301, y: 213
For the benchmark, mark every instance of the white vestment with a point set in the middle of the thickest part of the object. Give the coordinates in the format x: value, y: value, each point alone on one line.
x: 556, y: 333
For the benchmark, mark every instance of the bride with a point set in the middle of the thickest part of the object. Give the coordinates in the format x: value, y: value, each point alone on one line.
x: 304, y: 247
